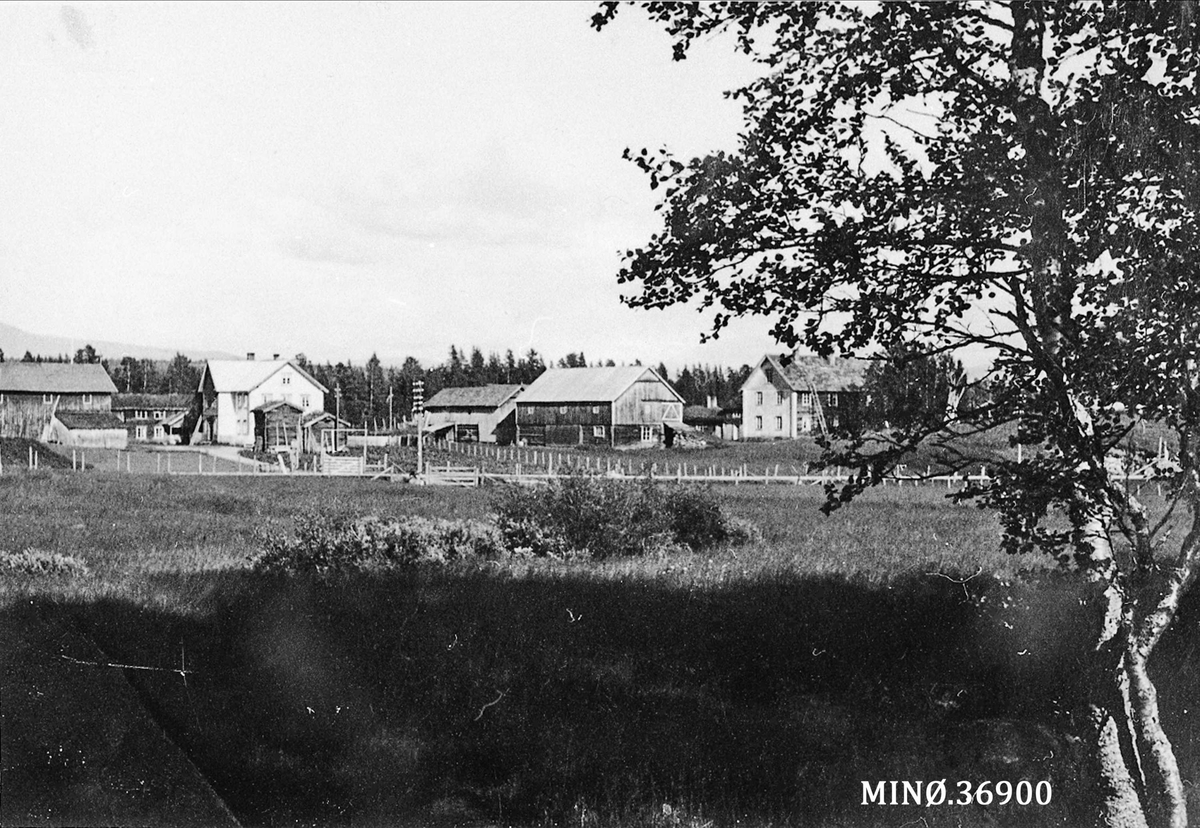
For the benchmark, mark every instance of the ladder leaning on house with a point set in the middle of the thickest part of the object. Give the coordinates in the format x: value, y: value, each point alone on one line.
x: 818, y: 411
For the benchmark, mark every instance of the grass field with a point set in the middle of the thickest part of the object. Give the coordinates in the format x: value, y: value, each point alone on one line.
x: 749, y: 686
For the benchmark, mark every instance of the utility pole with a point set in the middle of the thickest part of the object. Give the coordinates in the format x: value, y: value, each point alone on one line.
x: 337, y: 423
x: 391, y: 416
x: 418, y: 410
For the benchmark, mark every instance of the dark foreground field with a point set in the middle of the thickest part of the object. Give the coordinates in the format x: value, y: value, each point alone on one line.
x: 757, y: 686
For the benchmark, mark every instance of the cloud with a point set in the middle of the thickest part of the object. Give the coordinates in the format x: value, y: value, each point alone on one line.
x: 494, y: 202
x: 77, y: 27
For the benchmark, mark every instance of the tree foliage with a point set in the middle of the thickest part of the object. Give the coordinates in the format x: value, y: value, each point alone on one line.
x: 1017, y: 177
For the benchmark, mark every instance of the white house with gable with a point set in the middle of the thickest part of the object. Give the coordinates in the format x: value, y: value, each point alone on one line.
x: 238, y: 395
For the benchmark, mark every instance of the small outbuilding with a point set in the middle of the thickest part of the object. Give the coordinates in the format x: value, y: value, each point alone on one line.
x: 86, y: 429
x: 477, y: 414
x: 614, y: 406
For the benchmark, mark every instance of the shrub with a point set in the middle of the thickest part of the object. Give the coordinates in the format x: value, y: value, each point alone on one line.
x: 605, y: 518
x: 324, y: 542
x: 40, y: 562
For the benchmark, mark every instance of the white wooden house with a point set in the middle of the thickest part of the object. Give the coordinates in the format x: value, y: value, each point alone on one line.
x: 789, y: 395
x: 236, y: 393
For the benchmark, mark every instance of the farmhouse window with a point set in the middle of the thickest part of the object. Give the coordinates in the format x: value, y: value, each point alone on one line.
x: 87, y: 399
x: 241, y: 400
x: 47, y: 398
x: 562, y: 409
x: 287, y: 380
x: 806, y: 399
x: 758, y: 423
x: 304, y: 400
x: 159, y: 432
x: 139, y: 415
x: 140, y: 432
x: 158, y: 415
x: 598, y: 431
x: 779, y: 423
x: 758, y: 398
x: 595, y: 409
x: 779, y: 398
x: 647, y: 434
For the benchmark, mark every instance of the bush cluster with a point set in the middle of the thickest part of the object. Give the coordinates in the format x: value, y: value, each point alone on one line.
x: 323, y: 542
x: 602, y: 518
x: 40, y: 562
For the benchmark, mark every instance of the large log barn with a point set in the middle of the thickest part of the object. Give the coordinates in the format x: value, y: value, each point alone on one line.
x: 31, y: 392
x: 622, y: 406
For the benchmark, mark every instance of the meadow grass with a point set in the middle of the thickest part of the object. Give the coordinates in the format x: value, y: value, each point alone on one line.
x: 747, y: 686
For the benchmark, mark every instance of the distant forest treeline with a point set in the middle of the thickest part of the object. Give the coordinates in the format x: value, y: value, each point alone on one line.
x: 373, y: 392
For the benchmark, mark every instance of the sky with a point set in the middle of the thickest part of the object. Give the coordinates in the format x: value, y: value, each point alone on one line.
x: 349, y: 178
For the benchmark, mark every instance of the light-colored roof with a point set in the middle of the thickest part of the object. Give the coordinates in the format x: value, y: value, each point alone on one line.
x: 274, y: 404
x: 804, y: 373
x: 479, y: 396
x: 54, y: 378
x: 244, y: 375
x: 585, y: 385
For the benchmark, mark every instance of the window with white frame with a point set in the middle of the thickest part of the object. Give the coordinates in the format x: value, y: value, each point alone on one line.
x: 833, y: 400
x: 287, y: 380
x: 598, y: 431
x: 304, y: 401
x: 779, y: 423
x: 805, y: 399
x: 779, y: 398
x: 159, y: 432
x: 647, y: 434
x: 139, y: 432
x: 47, y: 399
x: 758, y: 398
x: 595, y: 409
x: 758, y: 423
x: 562, y: 409
x: 87, y: 399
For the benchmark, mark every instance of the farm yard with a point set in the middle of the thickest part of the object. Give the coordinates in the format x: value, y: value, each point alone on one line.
x: 757, y: 684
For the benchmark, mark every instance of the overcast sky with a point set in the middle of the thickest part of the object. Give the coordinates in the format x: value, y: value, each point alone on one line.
x: 346, y: 178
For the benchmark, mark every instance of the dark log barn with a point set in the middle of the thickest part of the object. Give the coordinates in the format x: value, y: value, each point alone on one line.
x: 619, y: 406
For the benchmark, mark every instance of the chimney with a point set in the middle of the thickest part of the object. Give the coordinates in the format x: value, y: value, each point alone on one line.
x: 274, y: 356
x: 250, y: 356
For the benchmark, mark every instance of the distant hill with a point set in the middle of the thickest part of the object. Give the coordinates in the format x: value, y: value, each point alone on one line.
x: 15, y: 342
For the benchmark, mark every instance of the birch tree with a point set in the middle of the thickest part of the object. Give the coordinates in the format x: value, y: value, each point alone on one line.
x: 1015, y: 177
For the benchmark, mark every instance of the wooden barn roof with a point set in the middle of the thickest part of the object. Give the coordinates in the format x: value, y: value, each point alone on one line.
x: 803, y: 373
x: 244, y: 375
x: 478, y: 396
x: 148, y: 401
x: 54, y: 378
x: 275, y: 404
x: 588, y: 385
x: 89, y: 420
